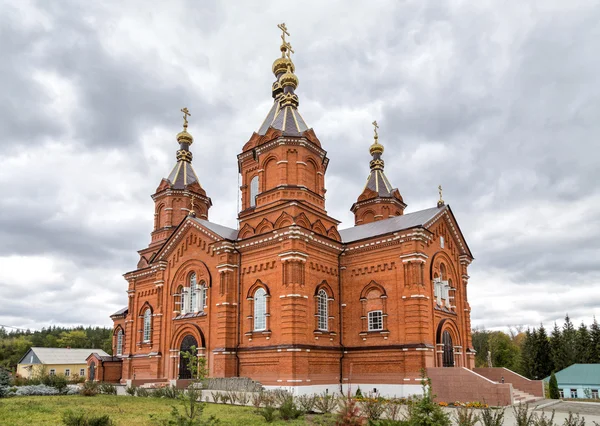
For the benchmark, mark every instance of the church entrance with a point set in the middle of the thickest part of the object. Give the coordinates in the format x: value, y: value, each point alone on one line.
x: 448, y: 350
x: 92, y: 371
x: 186, y: 344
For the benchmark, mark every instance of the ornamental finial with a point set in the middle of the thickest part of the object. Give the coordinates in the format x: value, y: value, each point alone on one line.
x: 376, y: 148
x: 441, y: 201
x: 186, y: 113
x: 375, y: 127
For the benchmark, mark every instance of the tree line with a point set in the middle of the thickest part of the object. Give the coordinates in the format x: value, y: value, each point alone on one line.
x: 534, y: 353
x: 14, y: 344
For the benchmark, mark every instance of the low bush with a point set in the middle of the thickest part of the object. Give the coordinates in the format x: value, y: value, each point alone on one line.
x: 492, y: 416
x: 108, y: 389
x: 306, y: 402
x: 281, y: 396
x: 57, y: 381
x: 36, y: 390
x: 574, y: 420
x: 257, y: 400
x: 90, y: 389
x: 522, y: 415
x: 79, y: 418
x: 131, y: 390
x: 542, y: 420
x: 288, y: 410
x: 142, y: 392
x: 268, y: 413
x: 466, y: 416
x: 325, y: 403
x: 349, y: 413
x: 392, y: 409
x: 373, y: 405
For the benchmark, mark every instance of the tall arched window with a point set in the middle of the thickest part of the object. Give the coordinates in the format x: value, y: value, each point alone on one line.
x: 192, y: 307
x: 120, y: 342
x: 253, y: 191
x: 260, y: 310
x: 147, y: 325
x: 322, y: 311
x: 202, y: 301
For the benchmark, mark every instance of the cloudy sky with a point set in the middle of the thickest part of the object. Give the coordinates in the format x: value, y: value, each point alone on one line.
x: 497, y: 101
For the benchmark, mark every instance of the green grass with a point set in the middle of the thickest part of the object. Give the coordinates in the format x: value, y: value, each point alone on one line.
x: 124, y: 410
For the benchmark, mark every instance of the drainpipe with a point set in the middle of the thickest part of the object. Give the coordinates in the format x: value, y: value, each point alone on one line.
x: 239, y: 313
x: 341, y: 322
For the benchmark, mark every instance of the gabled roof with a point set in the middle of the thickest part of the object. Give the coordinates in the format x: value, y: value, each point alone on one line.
x: 579, y: 374
x: 222, y: 231
x: 398, y: 223
x: 61, y: 355
x: 122, y: 311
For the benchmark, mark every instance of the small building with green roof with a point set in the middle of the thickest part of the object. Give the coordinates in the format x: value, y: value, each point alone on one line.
x: 579, y: 381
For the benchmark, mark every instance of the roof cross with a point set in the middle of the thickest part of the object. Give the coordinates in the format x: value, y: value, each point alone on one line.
x: 284, y: 31
x: 186, y: 113
x: 376, y: 126
x: 441, y: 201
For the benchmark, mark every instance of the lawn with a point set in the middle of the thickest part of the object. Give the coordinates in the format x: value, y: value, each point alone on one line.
x: 123, y: 410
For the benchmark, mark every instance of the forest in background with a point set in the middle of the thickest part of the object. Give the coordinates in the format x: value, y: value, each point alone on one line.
x: 535, y: 353
x: 14, y: 344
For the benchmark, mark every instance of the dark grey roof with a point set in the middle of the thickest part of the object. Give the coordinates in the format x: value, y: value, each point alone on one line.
x: 182, y: 175
x: 398, y: 223
x: 378, y: 182
x: 223, y: 231
x: 122, y: 311
x: 286, y: 119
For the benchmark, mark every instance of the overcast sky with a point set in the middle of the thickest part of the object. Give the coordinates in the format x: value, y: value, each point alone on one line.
x: 498, y: 101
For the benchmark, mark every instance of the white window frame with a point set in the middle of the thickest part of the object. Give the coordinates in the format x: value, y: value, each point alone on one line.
x: 147, y: 325
x: 322, y: 311
x: 441, y: 241
x: 193, y: 299
x: 561, y: 393
x: 254, y: 183
x: 120, y: 334
x: 185, y: 294
x: 52, y: 372
x: 202, y: 296
x: 81, y: 372
x: 573, y: 393
x: 375, y: 318
x: 260, y: 309
x: 67, y: 372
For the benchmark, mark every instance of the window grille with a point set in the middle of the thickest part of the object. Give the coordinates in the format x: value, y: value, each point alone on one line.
x: 260, y: 310
x: 322, y: 311
x: 147, y: 324
x: 120, y: 342
x: 375, y: 320
x: 82, y: 372
x: 67, y: 372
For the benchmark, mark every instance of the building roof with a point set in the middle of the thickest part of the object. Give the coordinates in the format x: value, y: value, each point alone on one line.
x: 182, y: 175
x: 222, y: 231
x: 62, y: 355
x: 398, y: 223
x: 287, y: 119
x: 579, y: 374
x: 122, y: 311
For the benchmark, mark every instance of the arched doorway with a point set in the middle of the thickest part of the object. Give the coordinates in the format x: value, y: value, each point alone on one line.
x: 92, y: 371
x: 448, y: 350
x: 187, y: 342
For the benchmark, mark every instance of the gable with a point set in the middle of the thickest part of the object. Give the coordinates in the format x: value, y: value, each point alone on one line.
x: 445, y: 224
x: 30, y: 358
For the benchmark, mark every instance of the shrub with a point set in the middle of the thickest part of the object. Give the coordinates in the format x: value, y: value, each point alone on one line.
x: 522, y: 415
x: 4, y: 377
x: 90, y: 389
x: 107, y: 389
x: 553, y: 387
x: 268, y: 413
x: 392, y: 409
x: 542, y: 420
x: 79, y: 418
x: 373, y: 406
x: 306, y: 402
x: 131, y: 390
x: 232, y: 396
x: 465, y: 416
x: 257, y: 400
x: 574, y: 420
x: 288, y: 409
x: 57, y: 381
x: 281, y: 396
x: 492, y: 416
x: 325, y: 403
x: 358, y: 393
x: 36, y: 390
x: 349, y: 413
x: 142, y: 392
x: 243, y: 398
x: 423, y: 411
x: 172, y: 392
x: 73, y: 390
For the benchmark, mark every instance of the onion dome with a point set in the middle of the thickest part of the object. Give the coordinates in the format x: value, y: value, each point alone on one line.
x: 282, y: 64
x: 289, y: 79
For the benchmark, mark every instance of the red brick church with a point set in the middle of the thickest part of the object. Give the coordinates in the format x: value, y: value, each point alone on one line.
x: 288, y: 299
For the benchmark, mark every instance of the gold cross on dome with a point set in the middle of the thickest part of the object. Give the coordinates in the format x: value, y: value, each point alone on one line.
x: 440, y: 191
x: 186, y: 113
x: 284, y: 31
x: 288, y: 49
x: 376, y: 126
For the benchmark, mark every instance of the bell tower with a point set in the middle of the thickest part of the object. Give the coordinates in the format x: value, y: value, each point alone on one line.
x: 378, y: 200
x: 180, y: 193
x: 283, y: 165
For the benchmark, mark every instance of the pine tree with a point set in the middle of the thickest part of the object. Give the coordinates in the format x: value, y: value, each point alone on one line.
x: 569, y: 337
x: 544, y: 363
x: 527, y: 354
x: 583, y: 345
x: 553, y: 387
x: 556, y: 348
x: 595, y: 338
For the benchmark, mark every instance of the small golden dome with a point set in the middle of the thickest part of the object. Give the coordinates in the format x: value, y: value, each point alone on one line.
x: 185, y: 137
x: 281, y: 65
x: 289, y: 79
x: 376, y: 148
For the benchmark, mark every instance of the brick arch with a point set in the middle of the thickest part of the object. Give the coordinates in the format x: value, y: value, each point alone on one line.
x: 269, y: 165
x: 159, y: 211
x: 449, y: 325
x: 284, y: 220
x: 367, y: 215
x: 246, y: 231
x: 312, y: 178
x: 302, y: 220
x: 373, y: 285
x: 324, y: 286
x: 258, y: 284
x: 264, y: 226
x: 192, y: 329
x: 442, y: 257
x: 145, y: 306
x: 334, y: 234
x: 117, y: 328
x: 183, y: 272
x: 319, y: 228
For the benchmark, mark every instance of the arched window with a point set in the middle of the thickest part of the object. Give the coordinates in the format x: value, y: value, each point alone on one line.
x: 260, y: 309
x: 192, y: 307
x: 448, y: 355
x: 147, y: 325
x: 322, y: 311
x: 202, y: 302
x: 179, y: 299
x: 253, y: 191
x: 120, y: 342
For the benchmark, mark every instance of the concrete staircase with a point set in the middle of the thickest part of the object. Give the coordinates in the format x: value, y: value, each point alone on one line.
x: 520, y: 397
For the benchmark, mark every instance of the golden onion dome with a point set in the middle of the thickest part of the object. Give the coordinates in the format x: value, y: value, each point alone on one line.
x: 376, y: 148
x: 185, y: 137
x: 281, y: 65
x: 289, y: 79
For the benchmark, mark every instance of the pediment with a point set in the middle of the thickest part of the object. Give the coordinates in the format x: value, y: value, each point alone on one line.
x: 445, y: 223
x: 188, y: 233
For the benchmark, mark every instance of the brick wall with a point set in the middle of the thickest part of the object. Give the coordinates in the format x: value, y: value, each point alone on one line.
x: 463, y: 385
x: 533, y: 387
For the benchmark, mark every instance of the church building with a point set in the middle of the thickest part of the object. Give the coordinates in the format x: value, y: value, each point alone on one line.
x: 288, y: 299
